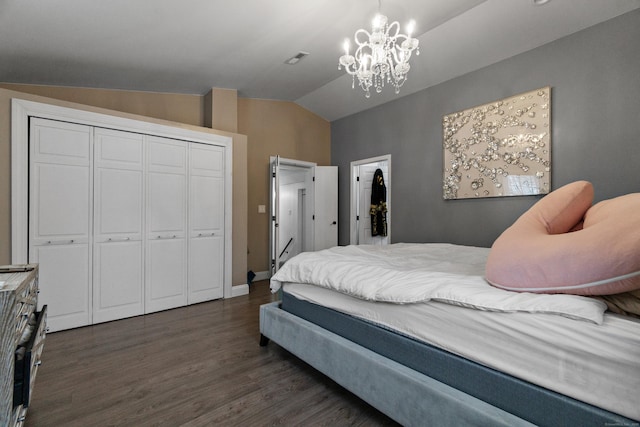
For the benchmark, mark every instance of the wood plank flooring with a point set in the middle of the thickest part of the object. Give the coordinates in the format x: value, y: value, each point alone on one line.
x: 199, y: 365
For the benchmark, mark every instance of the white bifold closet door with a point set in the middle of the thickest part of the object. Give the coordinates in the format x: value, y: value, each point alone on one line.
x: 166, y: 257
x: 60, y: 213
x: 118, y: 268
x: 123, y: 223
x: 206, y: 222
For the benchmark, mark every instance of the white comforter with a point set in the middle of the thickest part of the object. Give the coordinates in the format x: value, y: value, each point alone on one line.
x: 405, y: 273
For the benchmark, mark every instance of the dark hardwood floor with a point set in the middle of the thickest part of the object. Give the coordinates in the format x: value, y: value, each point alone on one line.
x: 199, y: 365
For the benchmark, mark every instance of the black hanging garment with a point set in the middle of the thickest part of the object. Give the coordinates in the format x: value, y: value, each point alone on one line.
x: 378, y: 209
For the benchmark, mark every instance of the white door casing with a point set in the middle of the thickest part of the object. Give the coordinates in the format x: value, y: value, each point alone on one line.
x: 362, y: 172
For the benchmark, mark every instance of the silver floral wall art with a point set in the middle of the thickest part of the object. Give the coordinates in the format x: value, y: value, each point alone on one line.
x: 499, y: 149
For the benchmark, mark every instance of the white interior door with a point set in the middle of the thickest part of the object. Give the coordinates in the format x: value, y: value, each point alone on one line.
x: 118, y: 268
x: 206, y: 223
x: 60, y: 212
x: 166, y: 260
x: 326, y: 207
x: 362, y: 172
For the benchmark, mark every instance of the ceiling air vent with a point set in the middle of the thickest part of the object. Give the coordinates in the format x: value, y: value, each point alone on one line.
x: 297, y: 58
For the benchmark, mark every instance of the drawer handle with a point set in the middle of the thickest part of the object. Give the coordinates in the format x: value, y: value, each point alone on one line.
x: 206, y: 234
x: 168, y: 237
x: 126, y: 239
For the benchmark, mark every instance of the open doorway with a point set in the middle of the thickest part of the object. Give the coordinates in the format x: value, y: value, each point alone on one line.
x: 304, y: 209
x: 362, y: 173
x: 294, y: 231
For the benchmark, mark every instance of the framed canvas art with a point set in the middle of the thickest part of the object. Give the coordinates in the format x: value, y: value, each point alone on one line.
x: 502, y: 148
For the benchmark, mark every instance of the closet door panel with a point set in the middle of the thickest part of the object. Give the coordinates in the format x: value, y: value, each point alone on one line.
x: 118, y: 269
x: 206, y: 207
x: 206, y: 160
x: 59, y: 202
x: 206, y: 223
x: 166, y: 155
x: 64, y: 283
x: 118, y: 149
x: 166, y: 224
x: 205, y: 268
x: 60, y: 218
x: 118, y: 280
x: 59, y: 142
x: 167, y: 204
x: 166, y: 274
x: 119, y: 203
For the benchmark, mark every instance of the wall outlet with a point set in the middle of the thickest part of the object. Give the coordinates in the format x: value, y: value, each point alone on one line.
x: 262, y: 209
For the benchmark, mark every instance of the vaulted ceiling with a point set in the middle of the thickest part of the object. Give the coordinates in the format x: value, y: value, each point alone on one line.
x: 190, y: 46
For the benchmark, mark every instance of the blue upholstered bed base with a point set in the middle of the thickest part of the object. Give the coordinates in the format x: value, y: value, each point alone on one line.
x: 407, y: 396
x: 445, y: 388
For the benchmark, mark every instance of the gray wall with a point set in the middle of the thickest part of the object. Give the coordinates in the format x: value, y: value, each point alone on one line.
x: 595, y: 88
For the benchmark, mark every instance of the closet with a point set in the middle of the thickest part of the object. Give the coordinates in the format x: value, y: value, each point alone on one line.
x: 123, y: 223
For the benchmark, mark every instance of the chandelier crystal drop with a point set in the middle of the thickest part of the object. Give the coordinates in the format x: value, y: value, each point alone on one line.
x: 382, y: 55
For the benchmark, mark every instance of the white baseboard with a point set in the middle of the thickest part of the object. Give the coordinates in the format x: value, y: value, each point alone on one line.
x: 262, y: 275
x: 238, y: 290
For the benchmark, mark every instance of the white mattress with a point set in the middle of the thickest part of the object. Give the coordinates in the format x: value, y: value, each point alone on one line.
x: 596, y: 364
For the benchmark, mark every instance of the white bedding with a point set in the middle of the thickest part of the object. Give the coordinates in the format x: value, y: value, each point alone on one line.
x: 597, y: 364
x: 405, y: 273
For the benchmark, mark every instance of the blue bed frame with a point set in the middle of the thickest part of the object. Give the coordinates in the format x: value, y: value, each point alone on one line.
x: 413, y: 382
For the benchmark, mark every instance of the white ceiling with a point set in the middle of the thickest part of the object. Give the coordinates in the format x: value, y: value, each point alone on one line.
x: 190, y: 46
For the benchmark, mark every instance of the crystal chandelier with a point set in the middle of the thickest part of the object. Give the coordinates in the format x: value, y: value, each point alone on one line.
x: 382, y: 55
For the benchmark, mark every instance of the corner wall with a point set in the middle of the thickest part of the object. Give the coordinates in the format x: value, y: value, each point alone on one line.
x: 173, y: 105
x: 275, y: 128
x: 266, y: 128
x: 595, y: 90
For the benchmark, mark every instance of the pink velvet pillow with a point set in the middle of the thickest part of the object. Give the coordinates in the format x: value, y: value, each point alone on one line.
x: 563, y: 245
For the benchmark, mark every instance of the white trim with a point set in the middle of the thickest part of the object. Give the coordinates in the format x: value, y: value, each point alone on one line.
x: 353, y: 203
x: 22, y: 109
x: 19, y: 183
x: 262, y: 275
x: 239, y: 290
x: 291, y: 162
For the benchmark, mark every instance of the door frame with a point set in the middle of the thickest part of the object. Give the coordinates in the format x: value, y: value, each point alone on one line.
x: 274, y: 207
x: 22, y: 109
x: 354, y: 196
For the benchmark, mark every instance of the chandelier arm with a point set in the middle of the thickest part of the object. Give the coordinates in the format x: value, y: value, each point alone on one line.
x: 351, y: 69
x: 394, y: 25
x: 361, y: 32
x: 401, y: 55
x: 402, y: 37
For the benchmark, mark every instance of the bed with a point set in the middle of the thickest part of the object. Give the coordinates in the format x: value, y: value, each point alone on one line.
x: 416, y: 331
